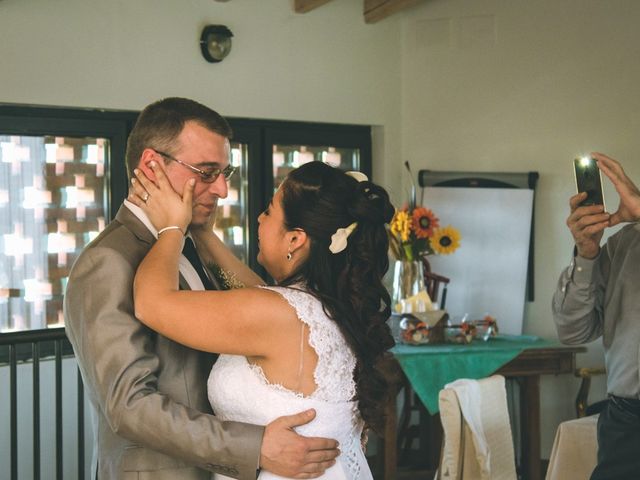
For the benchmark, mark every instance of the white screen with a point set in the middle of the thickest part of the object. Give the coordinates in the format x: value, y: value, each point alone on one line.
x: 489, y: 271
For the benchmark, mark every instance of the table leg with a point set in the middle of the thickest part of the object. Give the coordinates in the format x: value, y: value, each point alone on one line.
x: 431, y: 439
x: 530, y: 427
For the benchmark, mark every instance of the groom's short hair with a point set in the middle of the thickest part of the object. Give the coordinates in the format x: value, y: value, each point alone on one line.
x: 160, y: 123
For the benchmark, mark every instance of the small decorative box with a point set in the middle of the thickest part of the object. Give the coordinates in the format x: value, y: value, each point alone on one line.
x: 423, y: 328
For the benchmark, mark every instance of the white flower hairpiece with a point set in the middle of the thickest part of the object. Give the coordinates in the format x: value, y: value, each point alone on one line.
x: 359, y: 176
x: 339, y: 239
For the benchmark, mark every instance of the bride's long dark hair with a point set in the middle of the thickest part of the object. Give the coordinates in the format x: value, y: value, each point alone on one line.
x: 319, y: 199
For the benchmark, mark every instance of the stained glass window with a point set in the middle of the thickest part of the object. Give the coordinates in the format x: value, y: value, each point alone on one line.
x: 232, y: 222
x: 53, y: 201
x: 287, y: 157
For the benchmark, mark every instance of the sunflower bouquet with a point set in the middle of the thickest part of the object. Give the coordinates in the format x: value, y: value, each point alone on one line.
x: 415, y: 232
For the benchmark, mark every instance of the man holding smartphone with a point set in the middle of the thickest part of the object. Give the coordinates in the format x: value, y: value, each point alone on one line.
x: 599, y: 295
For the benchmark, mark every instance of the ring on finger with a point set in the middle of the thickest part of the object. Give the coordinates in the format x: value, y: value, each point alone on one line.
x: 145, y: 197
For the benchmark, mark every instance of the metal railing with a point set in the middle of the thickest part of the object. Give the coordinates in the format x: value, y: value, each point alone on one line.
x: 32, y: 347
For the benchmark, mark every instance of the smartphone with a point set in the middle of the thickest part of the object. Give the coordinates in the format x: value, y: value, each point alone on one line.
x: 588, y: 179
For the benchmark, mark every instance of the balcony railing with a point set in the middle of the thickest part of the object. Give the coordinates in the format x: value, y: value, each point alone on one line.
x: 33, y: 348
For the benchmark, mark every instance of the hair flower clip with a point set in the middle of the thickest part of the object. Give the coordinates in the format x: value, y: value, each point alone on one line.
x: 339, y: 239
x: 359, y: 176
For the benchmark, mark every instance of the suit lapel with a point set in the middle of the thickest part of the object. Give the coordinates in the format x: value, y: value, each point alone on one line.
x: 139, y: 229
x: 134, y: 225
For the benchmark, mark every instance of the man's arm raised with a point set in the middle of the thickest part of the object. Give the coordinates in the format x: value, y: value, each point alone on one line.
x: 629, y: 208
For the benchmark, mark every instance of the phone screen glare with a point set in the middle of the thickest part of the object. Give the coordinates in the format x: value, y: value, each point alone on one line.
x: 588, y: 180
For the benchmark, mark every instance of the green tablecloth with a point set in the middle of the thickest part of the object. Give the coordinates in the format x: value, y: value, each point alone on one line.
x: 430, y: 367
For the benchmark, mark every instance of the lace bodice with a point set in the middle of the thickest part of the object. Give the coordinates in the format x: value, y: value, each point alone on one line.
x: 239, y: 390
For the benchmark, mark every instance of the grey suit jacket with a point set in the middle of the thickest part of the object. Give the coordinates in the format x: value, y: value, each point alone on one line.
x: 152, y: 418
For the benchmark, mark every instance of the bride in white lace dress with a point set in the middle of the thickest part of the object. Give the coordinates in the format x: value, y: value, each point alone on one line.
x: 314, y: 340
x: 250, y: 397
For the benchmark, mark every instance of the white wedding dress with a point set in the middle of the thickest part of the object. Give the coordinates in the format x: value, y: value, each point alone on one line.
x: 239, y: 391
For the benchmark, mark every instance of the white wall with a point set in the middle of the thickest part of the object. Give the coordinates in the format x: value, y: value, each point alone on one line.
x: 326, y: 65
x: 515, y: 85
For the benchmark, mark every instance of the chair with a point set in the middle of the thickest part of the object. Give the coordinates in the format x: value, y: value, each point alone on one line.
x: 583, y: 409
x: 575, y: 447
x: 432, y: 282
x: 477, y: 433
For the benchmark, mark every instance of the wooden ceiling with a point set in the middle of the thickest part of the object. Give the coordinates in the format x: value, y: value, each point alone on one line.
x: 373, y: 10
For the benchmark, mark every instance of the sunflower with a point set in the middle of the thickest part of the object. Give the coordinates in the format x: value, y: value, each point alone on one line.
x: 424, y: 222
x: 401, y: 225
x: 445, y: 240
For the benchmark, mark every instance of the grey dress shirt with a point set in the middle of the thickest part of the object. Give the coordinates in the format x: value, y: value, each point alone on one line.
x: 601, y: 297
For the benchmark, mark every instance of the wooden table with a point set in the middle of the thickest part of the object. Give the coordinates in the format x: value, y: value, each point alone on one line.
x: 526, y: 369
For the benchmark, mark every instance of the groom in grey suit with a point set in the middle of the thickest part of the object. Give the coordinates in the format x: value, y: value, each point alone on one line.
x: 152, y: 416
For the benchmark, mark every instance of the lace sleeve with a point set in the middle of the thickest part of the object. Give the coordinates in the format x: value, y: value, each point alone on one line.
x: 336, y: 362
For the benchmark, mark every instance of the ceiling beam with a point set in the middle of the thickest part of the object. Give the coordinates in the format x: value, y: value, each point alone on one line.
x: 376, y: 10
x: 304, y: 6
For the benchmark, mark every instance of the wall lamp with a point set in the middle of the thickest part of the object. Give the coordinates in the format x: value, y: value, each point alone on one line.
x: 215, y: 43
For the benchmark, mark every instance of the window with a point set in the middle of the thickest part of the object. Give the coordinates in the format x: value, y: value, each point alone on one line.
x: 61, y: 178
x: 52, y: 202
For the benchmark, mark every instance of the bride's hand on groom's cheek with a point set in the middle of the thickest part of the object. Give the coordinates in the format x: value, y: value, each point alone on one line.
x: 160, y: 201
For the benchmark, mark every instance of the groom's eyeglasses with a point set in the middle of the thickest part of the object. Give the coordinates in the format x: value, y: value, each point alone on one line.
x: 209, y: 176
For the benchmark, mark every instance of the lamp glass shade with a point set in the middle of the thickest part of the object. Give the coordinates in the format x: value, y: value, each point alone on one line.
x: 215, y: 42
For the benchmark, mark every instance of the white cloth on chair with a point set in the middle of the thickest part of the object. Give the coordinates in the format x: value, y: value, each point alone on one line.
x: 575, y: 450
x: 477, y: 432
x: 468, y: 393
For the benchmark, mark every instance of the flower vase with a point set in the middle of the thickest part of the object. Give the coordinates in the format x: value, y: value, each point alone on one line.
x: 408, y: 281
